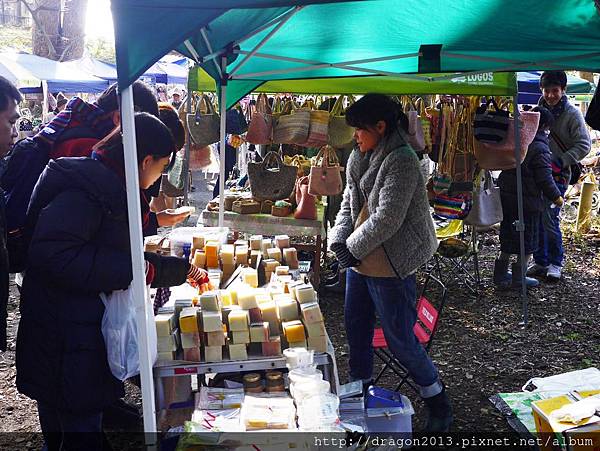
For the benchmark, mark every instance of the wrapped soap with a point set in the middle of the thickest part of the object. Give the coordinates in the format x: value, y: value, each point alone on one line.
x: 191, y: 354
x: 271, y: 347
x: 317, y: 343
x: 282, y: 241
x: 315, y: 329
x: 190, y: 340
x: 305, y: 294
x: 255, y: 242
x: 198, y: 242
x: 282, y: 270
x: 238, y: 320
x: 164, y: 324
x: 238, y: 351
x: 240, y: 336
x: 275, y: 254
x: 293, y: 331
x: 247, y: 299
x: 212, y: 322
x: 259, y: 332
x: 250, y: 277
x: 188, y: 320
x: 215, y: 338
x: 213, y: 353
x: 288, y: 310
x: 311, y: 313
x: 290, y: 255
x: 199, y: 259
x: 255, y: 314
x: 269, y: 314
x: 209, y: 302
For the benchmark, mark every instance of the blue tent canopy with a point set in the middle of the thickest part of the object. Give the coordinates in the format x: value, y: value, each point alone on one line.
x: 529, y: 86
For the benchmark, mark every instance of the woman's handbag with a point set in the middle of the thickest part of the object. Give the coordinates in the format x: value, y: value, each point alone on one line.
x: 293, y: 125
x: 501, y: 156
x: 487, y: 207
x: 340, y: 134
x: 325, y: 175
x: 415, y: 136
x: 271, y: 179
x: 260, y: 129
x: 204, y: 127
x: 490, y: 125
x: 317, y: 133
x: 452, y: 207
x: 307, y: 203
x: 236, y: 121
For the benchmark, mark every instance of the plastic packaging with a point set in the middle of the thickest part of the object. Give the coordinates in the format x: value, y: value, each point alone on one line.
x: 272, y: 412
x: 302, y: 390
x: 184, y: 235
x: 298, y: 357
x: 318, y: 412
x: 308, y: 373
x: 548, y: 387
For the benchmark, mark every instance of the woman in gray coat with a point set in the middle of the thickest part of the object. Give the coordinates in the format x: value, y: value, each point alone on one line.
x: 383, y: 233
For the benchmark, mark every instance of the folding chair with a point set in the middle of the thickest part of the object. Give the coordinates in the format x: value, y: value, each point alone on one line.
x: 428, y: 315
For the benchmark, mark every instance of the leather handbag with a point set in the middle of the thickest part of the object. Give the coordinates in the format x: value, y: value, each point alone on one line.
x: 487, y: 207
x: 236, y: 121
x: 204, y: 125
x: 325, y: 175
x: 501, y: 156
x: 307, y: 203
x: 271, y: 179
x: 260, y: 129
x: 292, y: 126
x: 340, y: 134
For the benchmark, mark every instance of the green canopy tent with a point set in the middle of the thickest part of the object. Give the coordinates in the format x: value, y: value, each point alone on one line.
x: 245, y: 43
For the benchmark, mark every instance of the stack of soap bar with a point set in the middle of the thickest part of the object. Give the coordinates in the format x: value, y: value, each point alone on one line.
x: 275, y: 254
x: 271, y: 347
x: 288, y: 310
x: 259, y: 332
x: 238, y: 320
x: 164, y: 324
x: 212, y: 322
x: 269, y: 314
x: 282, y: 241
x: 188, y: 320
x: 209, y: 302
x: 305, y: 294
x: 199, y: 259
x: 311, y: 313
x: 215, y: 338
x: 290, y: 255
x: 265, y: 245
x: 213, y: 353
x: 241, y: 255
x: 315, y: 329
x: 255, y: 242
x: 250, y: 277
x: 211, y: 249
x: 240, y: 336
x: 293, y: 331
x: 238, y: 351
x: 318, y: 343
x: 190, y: 340
x: 255, y: 313
x: 227, y: 254
x: 247, y: 299
x: 191, y: 354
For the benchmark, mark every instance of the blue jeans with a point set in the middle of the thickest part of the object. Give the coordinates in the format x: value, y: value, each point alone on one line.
x: 393, y: 300
x: 550, y: 250
x: 70, y: 431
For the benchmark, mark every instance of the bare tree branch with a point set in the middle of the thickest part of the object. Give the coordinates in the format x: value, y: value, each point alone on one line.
x: 39, y: 27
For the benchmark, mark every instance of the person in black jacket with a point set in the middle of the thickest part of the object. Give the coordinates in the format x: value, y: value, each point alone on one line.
x: 539, y: 189
x: 79, y: 248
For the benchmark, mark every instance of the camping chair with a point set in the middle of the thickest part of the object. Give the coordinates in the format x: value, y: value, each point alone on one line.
x: 428, y: 315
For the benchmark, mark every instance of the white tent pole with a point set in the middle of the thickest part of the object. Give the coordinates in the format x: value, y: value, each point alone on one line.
x: 222, y: 146
x: 259, y: 29
x: 209, y: 47
x: 144, y: 314
x: 187, y: 152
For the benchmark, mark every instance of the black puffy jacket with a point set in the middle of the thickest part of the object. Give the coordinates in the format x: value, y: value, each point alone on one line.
x: 537, y: 178
x: 79, y: 248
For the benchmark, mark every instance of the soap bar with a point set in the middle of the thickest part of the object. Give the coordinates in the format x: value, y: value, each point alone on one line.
x: 293, y: 331
x: 240, y: 336
x: 255, y: 242
x: 282, y: 270
x: 262, y: 298
x: 255, y: 314
x: 166, y: 344
x: 269, y: 314
x: 259, y: 332
x: 271, y: 347
x: 199, y: 259
x: 311, y: 313
x: 213, y: 353
x: 226, y: 299
x: 215, y: 338
x: 270, y: 264
x: 191, y: 354
x: 241, y: 255
x: 315, y: 329
x: 274, y: 253
x: 163, y: 323
x: 238, y: 320
x: 211, y: 321
x: 190, y: 340
x: 247, y: 299
x: 227, y: 254
x: 238, y: 351
x: 306, y: 294
x: 292, y: 288
x: 283, y: 297
x: 212, y: 261
x: 198, y: 241
x: 318, y: 343
x: 265, y: 245
x: 250, y: 277
x: 290, y: 256
x: 188, y: 320
x: 234, y: 296
x: 168, y: 355
x: 275, y: 289
x: 254, y: 258
x: 211, y: 248
x: 240, y: 242
x: 209, y: 302
x: 297, y: 344
x: 282, y: 241
x: 288, y: 310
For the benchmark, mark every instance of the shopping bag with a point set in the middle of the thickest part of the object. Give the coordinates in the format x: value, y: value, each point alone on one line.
x: 452, y: 207
x: 204, y: 126
x: 271, y: 179
x: 292, y: 126
x: 491, y: 123
x: 415, y: 135
x: 340, y: 134
x: 236, y: 121
x: 119, y: 328
x: 260, y: 130
x: 487, y: 207
x: 317, y: 132
x: 325, y: 175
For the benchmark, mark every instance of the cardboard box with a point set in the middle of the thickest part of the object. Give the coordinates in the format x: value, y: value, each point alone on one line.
x: 555, y: 436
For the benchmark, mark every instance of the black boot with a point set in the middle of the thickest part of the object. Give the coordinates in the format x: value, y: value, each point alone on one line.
x: 440, y: 412
x: 502, y: 278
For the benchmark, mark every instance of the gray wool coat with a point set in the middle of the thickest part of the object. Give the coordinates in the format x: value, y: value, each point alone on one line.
x: 390, y: 179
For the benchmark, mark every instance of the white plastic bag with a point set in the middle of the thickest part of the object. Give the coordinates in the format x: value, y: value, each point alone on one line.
x: 587, y: 379
x: 119, y: 329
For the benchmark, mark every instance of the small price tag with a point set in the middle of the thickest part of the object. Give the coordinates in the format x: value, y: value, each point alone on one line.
x: 488, y: 191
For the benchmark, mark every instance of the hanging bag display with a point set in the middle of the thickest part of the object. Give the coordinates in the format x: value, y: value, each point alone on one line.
x: 318, y: 128
x: 415, y: 136
x: 426, y: 124
x: 487, y: 207
x: 236, y: 121
x: 307, y: 203
x: 491, y: 123
x: 292, y: 126
x: 260, y: 129
x: 452, y: 207
x: 271, y: 179
x: 325, y: 175
x: 341, y: 135
x: 204, y: 125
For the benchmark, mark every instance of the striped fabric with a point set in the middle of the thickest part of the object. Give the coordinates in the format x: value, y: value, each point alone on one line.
x: 452, y: 207
x: 490, y: 126
x: 292, y: 128
x: 319, y: 127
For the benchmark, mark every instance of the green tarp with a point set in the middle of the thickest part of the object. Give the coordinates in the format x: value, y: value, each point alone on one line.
x: 360, y: 38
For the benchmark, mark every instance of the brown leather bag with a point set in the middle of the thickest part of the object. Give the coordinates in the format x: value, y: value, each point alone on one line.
x: 307, y: 206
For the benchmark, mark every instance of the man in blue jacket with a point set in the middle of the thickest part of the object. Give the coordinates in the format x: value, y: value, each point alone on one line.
x: 569, y: 143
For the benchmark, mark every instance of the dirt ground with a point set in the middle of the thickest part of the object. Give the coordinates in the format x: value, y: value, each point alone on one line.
x: 481, y: 347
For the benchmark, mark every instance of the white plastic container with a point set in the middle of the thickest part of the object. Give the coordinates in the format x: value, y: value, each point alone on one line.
x: 184, y: 235
x: 303, y: 390
x: 396, y: 419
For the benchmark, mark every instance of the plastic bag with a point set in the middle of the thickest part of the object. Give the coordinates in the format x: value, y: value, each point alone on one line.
x: 587, y: 379
x: 119, y: 328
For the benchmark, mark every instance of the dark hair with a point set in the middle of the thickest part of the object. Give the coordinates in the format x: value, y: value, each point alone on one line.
x: 546, y: 117
x: 553, y: 78
x: 170, y: 118
x: 143, y: 98
x: 8, y: 92
x: 372, y: 108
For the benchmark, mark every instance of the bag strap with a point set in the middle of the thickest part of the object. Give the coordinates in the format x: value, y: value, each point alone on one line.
x: 262, y: 104
x: 559, y: 141
x: 272, y: 157
x: 327, y: 157
x: 337, y: 107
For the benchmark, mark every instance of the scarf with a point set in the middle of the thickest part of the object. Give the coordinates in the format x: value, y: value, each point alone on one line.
x: 557, y: 109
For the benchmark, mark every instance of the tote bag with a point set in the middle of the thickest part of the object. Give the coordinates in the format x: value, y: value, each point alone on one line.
x: 340, y: 134
x: 415, y: 136
x: 293, y: 126
x: 487, y: 207
x: 260, y: 129
x: 271, y: 179
x: 325, y: 175
x: 204, y: 127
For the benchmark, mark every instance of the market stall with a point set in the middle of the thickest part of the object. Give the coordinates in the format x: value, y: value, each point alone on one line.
x: 268, y: 33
